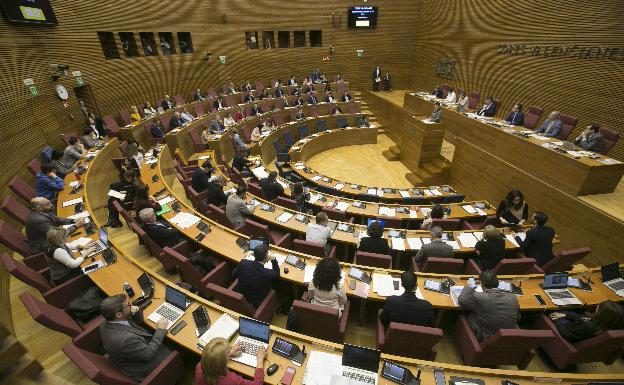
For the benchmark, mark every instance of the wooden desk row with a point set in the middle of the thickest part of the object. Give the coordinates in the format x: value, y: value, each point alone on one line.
x: 111, y: 278
x: 575, y: 176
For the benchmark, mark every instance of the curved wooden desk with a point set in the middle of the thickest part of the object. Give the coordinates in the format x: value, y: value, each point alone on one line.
x: 305, y: 148
x: 111, y: 278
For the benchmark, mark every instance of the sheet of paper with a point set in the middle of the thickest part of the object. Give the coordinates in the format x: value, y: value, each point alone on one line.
x: 481, y: 212
x: 166, y: 200
x: 151, y: 160
x: 427, y: 192
x: 522, y: 236
x: 383, y: 285
x: 398, y: 243
x: 74, y: 183
x: 203, y: 157
x: 339, y: 186
x: 83, y: 214
x: 387, y: 211
x: 469, y: 209
x: 478, y: 235
x: 425, y: 240
x: 72, y: 202
x: 116, y: 194
x: 425, y: 211
x: 79, y: 242
x: 342, y: 206
x: 314, y: 198
x: 436, y: 192
x: 467, y: 239
x: 185, y: 220
x: 414, y: 243
x: 512, y: 240
x: 321, y: 367
x: 283, y: 183
x: 404, y: 194
x: 260, y: 172
x: 455, y: 292
x: 361, y: 289
x: 453, y: 244
x: 380, y: 193
x: 316, y: 178
x: 284, y: 217
x: 413, y: 214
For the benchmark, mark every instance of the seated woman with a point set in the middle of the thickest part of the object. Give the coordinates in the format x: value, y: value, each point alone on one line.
x: 491, y: 249
x: 374, y: 243
x: 301, y: 195
x: 135, y: 117
x: 58, y: 255
x: 326, y: 287
x: 143, y: 200
x: 212, y: 369
x: 60, y: 168
x: 90, y: 139
x: 575, y: 326
x: 228, y: 121
x: 436, y: 115
x: 437, y: 212
x: 513, y: 210
x: 206, y: 135
x: 256, y: 133
x: 148, y: 110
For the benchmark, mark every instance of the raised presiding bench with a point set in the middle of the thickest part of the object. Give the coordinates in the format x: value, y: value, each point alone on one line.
x: 568, y: 170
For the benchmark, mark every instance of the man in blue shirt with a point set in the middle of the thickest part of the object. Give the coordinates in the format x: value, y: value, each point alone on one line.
x: 551, y: 126
x: 47, y: 183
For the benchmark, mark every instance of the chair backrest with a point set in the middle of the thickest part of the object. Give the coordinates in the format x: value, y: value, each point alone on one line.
x: 453, y: 198
x: 231, y: 300
x: 564, y: 260
x: 314, y: 111
x: 411, y: 341
x: 473, y: 100
x: 218, y: 214
x: 278, y: 120
x: 123, y: 146
x: 13, y: 239
x: 336, y: 215
x: 259, y: 84
x: 25, y: 273
x: 266, y: 106
x: 179, y: 100
x: 510, y: 346
x: 96, y: 367
x: 285, y: 202
x: 321, y: 125
x: 288, y: 139
x: 255, y: 229
x: 302, y: 131
x: 309, y: 248
x: 124, y: 114
x: 22, y: 189
x: 229, y: 101
x: 164, y: 120
x: 50, y: 316
x: 507, y: 266
x: 610, y: 138
x: 211, y: 92
x: 317, y: 321
x: 123, y: 212
x: 111, y: 122
x: 255, y: 189
x: 341, y: 122
x: 497, y: 103
x: 532, y: 116
x: 568, y: 123
x: 600, y: 348
x: 278, y: 146
x: 447, y: 224
x: 195, y: 135
x: 443, y: 265
x: 354, y: 108
x: 199, y: 109
x: 188, y: 273
x: 373, y: 259
x: 34, y: 166
x: 14, y: 209
x: 444, y: 88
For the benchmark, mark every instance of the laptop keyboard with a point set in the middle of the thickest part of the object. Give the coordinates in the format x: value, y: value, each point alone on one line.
x: 250, y: 348
x: 617, y: 286
x: 560, y: 294
x: 359, y: 377
x: 168, y: 313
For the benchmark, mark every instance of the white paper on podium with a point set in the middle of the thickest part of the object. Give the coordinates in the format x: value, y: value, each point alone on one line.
x: 72, y: 202
x: 339, y: 186
x: 316, y: 178
x: 260, y: 172
x: 284, y: 217
x: 453, y: 244
x: 185, y: 220
x: 371, y: 191
x: 436, y: 192
x: 321, y: 367
x: 467, y: 239
x: 413, y: 214
x: 398, y: 243
x: 425, y: 211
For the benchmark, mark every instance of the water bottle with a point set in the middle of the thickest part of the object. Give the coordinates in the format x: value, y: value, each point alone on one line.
x: 129, y: 290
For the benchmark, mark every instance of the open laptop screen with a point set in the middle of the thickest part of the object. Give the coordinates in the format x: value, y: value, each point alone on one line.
x: 361, y: 358
x: 104, y: 237
x: 146, y: 283
x: 381, y: 222
x: 250, y: 328
x: 175, y: 297
x: 253, y: 242
x: 556, y: 281
x: 610, y: 272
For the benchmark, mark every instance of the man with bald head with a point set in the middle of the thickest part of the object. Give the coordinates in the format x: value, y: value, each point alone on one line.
x: 41, y: 219
x: 551, y: 126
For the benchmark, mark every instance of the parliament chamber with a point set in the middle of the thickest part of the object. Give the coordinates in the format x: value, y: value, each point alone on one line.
x: 418, y: 192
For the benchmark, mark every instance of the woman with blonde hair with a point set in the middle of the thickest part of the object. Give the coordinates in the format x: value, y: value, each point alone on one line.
x: 134, y: 114
x: 59, y: 256
x: 212, y: 369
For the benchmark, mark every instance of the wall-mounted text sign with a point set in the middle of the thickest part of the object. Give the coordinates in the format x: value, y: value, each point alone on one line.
x: 567, y: 51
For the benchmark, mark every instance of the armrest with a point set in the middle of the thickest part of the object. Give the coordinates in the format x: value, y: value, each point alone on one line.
x: 344, y: 320
x: 233, y: 285
x: 332, y: 252
x: 465, y: 335
x: 414, y: 265
x: 36, y: 261
x: 167, y: 372
x: 545, y: 323
x: 63, y: 294
x: 267, y: 308
x: 381, y: 333
x: 285, y: 241
x: 89, y: 339
x: 472, y: 267
x: 184, y: 247
x: 220, y: 275
x: 536, y: 270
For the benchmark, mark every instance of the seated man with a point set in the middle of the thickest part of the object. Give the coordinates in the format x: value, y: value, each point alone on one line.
x: 186, y: 116
x: 254, y: 280
x: 159, y: 231
x: 407, y: 308
x: 47, y: 184
x: 73, y: 152
x: 591, y: 139
x: 236, y: 209
x: 228, y: 121
x: 216, y: 126
x: 214, y: 192
x: 255, y: 110
x: 166, y: 104
x: 490, y: 310
x: 240, y: 161
x: 239, y: 144
x: 271, y: 187
x: 278, y: 93
x: 41, y: 219
x: 156, y: 130
x: 329, y: 98
x: 346, y: 97
x: 319, y: 232
x: 489, y: 108
x: 436, y: 114
x: 198, y: 97
x: 551, y: 126
x: 516, y: 116
x: 300, y: 115
x: 130, y: 348
x: 491, y: 249
x: 201, y: 177
x: 231, y: 89
x: 264, y: 94
x: 283, y: 103
x: 537, y: 243
x: 218, y: 104
x: 436, y: 248
x: 312, y: 99
x: 176, y: 121
x: 249, y: 98
x: 90, y: 138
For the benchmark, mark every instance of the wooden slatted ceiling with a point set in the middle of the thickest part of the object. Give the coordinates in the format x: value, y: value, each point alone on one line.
x: 469, y: 32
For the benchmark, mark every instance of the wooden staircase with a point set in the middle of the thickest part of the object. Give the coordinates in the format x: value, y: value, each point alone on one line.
x: 392, y: 154
x: 17, y: 367
x: 431, y: 173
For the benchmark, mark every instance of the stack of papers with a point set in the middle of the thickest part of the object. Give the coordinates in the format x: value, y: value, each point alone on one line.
x: 225, y: 327
x: 165, y: 200
x: 342, y: 206
x: 316, y: 178
x: 314, y: 198
x: 469, y: 209
x: 339, y: 186
x: 185, y: 220
x: 151, y: 160
x: 72, y: 202
x: 404, y: 193
x: 467, y: 239
x: 79, y: 242
x: 260, y: 172
x: 361, y: 289
x: 321, y: 367
x: 398, y: 243
x: 83, y: 214
x: 371, y: 191
x: 74, y: 184
x: 387, y: 211
x: 436, y: 192
x: 284, y: 217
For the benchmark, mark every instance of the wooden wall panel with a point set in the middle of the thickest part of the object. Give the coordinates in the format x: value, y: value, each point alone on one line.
x: 469, y: 31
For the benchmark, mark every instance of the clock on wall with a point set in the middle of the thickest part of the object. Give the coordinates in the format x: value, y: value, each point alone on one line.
x: 61, y: 91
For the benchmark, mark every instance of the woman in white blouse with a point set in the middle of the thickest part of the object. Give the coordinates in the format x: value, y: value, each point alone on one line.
x: 148, y: 110
x: 256, y: 135
x: 450, y: 97
x: 58, y: 255
x: 326, y: 287
x: 228, y: 121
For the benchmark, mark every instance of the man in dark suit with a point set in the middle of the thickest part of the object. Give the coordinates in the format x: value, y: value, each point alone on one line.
x: 130, y: 348
x: 270, y: 187
x: 300, y: 115
x: 166, y: 104
x: 41, y: 219
x: 488, y: 109
x: 255, y: 110
x: 201, y: 177
x: 292, y: 81
x: 492, y: 309
x: 436, y: 248
x: 407, y: 308
x: 159, y: 231
x: 218, y: 104
x: 156, y: 130
x: 278, y: 93
x: 249, y: 98
x: 346, y: 97
x: 312, y: 98
x: 176, y: 121
x: 126, y: 186
x: 197, y: 96
x: 591, y: 139
x: 240, y: 161
x: 516, y: 116
x: 537, y: 243
x: 376, y: 78
x: 214, y: 192
x: 284, y: 103
x: 329, y: 98
x: 254, y: 280
x: 316, y: 76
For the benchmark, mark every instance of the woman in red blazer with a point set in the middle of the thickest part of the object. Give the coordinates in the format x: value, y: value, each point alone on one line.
x: 212, y: 369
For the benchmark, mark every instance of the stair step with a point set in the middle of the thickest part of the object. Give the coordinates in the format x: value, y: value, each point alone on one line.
x: 441, y: 162
x: 413, y: 179
x: 391, y: 156
x: 26, y: 366
x: 395, y: 150
x: 431, y: 168
x: 10, y: 350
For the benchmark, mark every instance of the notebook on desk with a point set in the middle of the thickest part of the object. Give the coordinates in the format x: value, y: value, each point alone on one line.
x: 611, y: 278
x: 556, y: 287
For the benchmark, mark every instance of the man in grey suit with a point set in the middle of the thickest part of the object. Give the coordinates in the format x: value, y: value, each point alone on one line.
x: 436, y: 248
x: 41, y: 219
x: 236, y: 209
x: 591, y: 139
x: 491, y: 310
x: 551, y: 126
x: 132, y: 350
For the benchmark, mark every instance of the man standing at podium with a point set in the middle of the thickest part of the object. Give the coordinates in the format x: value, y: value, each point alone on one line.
x: 376, y: 78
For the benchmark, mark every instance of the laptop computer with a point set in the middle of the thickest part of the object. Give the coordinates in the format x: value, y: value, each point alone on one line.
x: 360, y: 365
x: 612, y: 278
x: 252, y: 335
x: 253, y: 242
x: 99, y: 245
x: 381, y: 222
x: 147, y: 285
x: 172, y: 309
x: 556, y: 287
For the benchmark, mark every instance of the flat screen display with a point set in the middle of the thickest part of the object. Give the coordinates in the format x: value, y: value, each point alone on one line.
x: 29, y: 11
x: 362, y: 17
